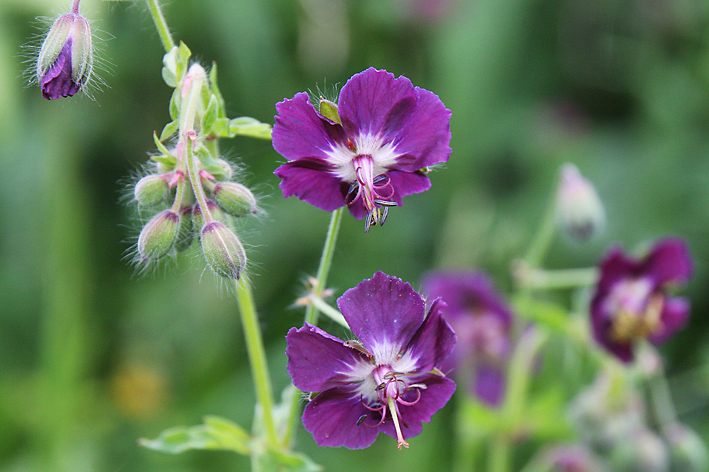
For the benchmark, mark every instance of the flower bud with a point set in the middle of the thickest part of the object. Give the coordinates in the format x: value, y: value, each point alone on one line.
x: 198, y: 217
x: 688, y: 452
x: 223, y: 250
x: 580, y: 211
x: 65, y: 60
x: 159, y: 235
x: 151, y: 190
x: 235, y: 199
x: 185, y: 236
x: 221, y: 170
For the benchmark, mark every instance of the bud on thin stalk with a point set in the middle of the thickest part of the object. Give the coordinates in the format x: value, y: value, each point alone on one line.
x: 235, y: 199
x: 151, y: 190
x: 579, y: 209
x: 159, y: 235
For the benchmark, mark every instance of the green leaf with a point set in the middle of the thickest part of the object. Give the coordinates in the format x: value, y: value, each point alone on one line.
x: 210, y: 115
x: 545, y: 414
x: 246, y: 126
x: 183, y: 61
x: 163, y: 149
x: 216, y: 434
x: 220, y: 128
x: 282, y: 461
x: 169, y: 129
x: 221, y: 109
x: 175, y: 105
x: 480, y: 419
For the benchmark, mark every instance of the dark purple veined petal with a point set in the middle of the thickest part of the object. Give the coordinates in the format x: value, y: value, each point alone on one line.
x: 668, y: 262
x: 433, y: 341
x: 310, y: 181
x: 57, y: 82
x: 384, y: 313
x: 318, y: 361
x: 335, y: 418
x: 407, y: 183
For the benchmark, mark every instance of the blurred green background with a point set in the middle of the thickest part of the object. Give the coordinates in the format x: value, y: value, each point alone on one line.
x: 93, y: 356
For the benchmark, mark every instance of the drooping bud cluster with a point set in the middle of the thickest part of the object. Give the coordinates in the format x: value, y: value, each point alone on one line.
x: 65, y: 60
x: 189, y: 184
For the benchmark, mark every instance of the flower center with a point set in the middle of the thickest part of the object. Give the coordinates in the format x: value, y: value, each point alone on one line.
x: 391, y: 387
x: 636, y: 311
x: 375, y: 192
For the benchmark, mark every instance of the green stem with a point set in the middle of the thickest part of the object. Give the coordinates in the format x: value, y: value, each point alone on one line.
x: 311, y: 313
x: 660, y: 396
x: 257, y: 359
x: 328, y: 310
x: 558, y: 279
x: 161, y: 25
x: 544, y: 236
x: 518, y: 375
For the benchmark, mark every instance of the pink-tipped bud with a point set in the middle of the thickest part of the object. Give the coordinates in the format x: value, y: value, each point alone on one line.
x: 235, y: 199
x: 580, y: 211
x: 65, y: 60
x: 198, y: 214
x: 159, y: 235
x: 223, y: 250
x: 151, y: 190
x: 221, y: 170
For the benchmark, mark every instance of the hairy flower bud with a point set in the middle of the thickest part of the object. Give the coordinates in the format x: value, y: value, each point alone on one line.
x: 235, y: 199
x: 185, y: 235
x: 65, y: 60
x: 580, y: 211
x: 223, y: 250
x: 159, y: 235
x: 151, y: 190
x: 198, y: 217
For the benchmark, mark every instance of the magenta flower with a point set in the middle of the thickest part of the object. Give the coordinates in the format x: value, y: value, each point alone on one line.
x: 631, y: 302
x: 388, y: 380
x: 366, y: 152
x: 482, y: 323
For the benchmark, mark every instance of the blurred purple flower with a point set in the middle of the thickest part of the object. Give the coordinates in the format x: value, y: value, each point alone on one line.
x: 366, y: 152
x: 482, y: 323
x: 387, y: 381
x: 631, y: 302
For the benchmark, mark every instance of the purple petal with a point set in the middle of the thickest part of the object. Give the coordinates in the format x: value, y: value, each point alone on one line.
x: 318, y: 361
x: 332, y: 419
x: 310, y: 181
x: 384, y: 313
x: 57, y: 81
x: 489, y: 385
x: 374, y: 102
x: 301, y: 133
x: 614, y: 267
x: 434, y: 340
x: 425, y: 139
x: 669, y: 262
x: 439, y: 390
x: 407, y: 183
x: 675, y: 314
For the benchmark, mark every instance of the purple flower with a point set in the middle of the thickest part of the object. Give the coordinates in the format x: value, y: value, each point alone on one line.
x: 65, y: 59
x: 631, y: 302
x: 482, y: 322
x: 366, y: 152
x: 386, y: 381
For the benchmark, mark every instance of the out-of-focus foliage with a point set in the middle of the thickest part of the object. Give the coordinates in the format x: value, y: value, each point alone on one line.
x: 93, y: 357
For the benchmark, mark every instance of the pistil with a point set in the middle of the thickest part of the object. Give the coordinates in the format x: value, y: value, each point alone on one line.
x: 400, y: 441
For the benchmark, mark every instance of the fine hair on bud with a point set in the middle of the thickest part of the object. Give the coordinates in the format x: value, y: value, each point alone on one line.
x: 224, y: 252
x: 151, y: 190
x: 159, y: 236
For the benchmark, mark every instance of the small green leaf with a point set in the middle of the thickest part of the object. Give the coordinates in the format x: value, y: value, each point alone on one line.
x: 221, y: 110
x: 183, y: 62
x: 215, y: 434
x: 246, y: 126
x: 210, y: 116
x: 169, y: 69
x: 220, y: 128
x: 163, y: 149
x: 169, y: 129
x: 175, y: 104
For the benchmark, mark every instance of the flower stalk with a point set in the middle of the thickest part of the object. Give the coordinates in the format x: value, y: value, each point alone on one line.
x: 160, y: 25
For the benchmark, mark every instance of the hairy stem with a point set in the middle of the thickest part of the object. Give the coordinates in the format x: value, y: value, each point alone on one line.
x: 160, y: 25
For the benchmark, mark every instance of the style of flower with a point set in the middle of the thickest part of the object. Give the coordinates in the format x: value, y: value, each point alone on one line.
x: 367, y: 151
x: 386, y: 381
x: 65, y: 59
x: 482, y: 323
x: 631, y: 301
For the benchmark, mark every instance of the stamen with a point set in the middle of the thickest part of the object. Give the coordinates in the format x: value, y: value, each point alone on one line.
x: 401, y: 442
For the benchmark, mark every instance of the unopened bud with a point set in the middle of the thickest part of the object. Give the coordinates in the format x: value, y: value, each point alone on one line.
x: 65, y: 60
x: 198, y: 216
x: 221, y: 169
x: 580, y: 211
x: 223, y: 250
x: 159, y: 235
x: 235, y: 199
x: 185, y: 236
x: 688, y: 452
x: 328, y: 109
x: 151, y: 190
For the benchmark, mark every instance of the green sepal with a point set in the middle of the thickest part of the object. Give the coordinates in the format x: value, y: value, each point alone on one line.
x: 220, y: 128
x: 166, y: 157
x: 215, y: 434
x: 183, y: 62
x: 169, y: 129
x: 247, y: 126
x: 210, y: 115
x: 221, y: 109
x: 175, y: 101
x: 328, y: 109
x: 169, y: 69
